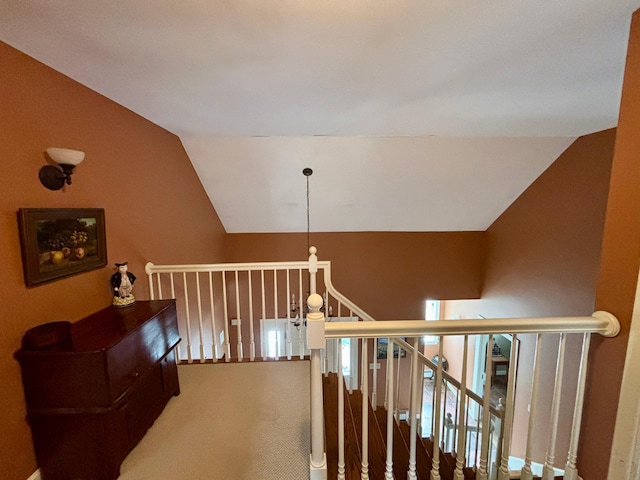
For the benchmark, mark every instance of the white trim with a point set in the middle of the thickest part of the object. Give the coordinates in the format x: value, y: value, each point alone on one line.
x: 35, y: 475
x: 625, y: 462
x: 516, y: 464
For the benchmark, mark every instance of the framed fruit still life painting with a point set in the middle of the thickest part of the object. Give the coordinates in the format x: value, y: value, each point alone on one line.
x: 57, y: 242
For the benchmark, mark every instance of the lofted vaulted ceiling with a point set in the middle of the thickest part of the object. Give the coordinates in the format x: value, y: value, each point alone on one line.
x: 414, y: 115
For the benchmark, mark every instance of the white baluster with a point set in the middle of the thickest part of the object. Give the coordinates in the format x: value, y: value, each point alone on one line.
x: 200, y: 328
x: 227, y: 345
x: 486, y: 416
x: 159, y: 287
x: 421, y: 400
x: 398, y: 370
x: 388, y: 474
x: 288, y: 316
x: 341, y: 469
x: 444, y: 438
x: 214, y: 333
x: 413, y: 410
x: 301, y: 315
x: 364, y: 475
x: 570, y: 470
x: 458, y: 474
x: 547, y: 470
x: 503, y: 472
x: 252, y: 338
x: 435, y: 465
x: 388, y: 373
x: 173, y: 286
x: 374, y: 390
x: 263, y: 340
x: 433, y: 405
x: 527, y: 473
x: 187, y: 318
x: 240, y: 353
x: 448, y: 428
x: 275, y: 313
x: 173, y: 295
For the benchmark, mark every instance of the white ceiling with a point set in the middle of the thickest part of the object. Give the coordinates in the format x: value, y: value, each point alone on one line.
x: 414, y: 115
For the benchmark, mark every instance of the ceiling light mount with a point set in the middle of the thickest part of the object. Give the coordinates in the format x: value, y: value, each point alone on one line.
x: 54, y: 177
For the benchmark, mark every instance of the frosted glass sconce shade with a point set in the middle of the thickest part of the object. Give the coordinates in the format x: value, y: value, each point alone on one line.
x: 53, y: 177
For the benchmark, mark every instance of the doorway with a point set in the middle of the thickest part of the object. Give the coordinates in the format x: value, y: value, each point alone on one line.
x: 501, y: 360
x: 349, y: 350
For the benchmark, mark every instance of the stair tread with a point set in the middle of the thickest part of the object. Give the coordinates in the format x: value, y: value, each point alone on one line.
x: 377, y: 448
x: 424, y: 461
x: 351, y: 449
x: 400, y: 450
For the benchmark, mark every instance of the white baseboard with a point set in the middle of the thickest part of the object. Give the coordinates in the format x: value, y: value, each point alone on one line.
x: 35, y: 475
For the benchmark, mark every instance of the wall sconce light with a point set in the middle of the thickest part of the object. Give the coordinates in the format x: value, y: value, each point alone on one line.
x: 51, y: 176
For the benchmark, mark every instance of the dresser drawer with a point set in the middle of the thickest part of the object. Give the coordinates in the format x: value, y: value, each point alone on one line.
x: 107, y: 353
x: 136, y: 353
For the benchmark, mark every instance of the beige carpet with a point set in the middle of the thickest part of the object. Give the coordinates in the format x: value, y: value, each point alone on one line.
x: 231, y: 422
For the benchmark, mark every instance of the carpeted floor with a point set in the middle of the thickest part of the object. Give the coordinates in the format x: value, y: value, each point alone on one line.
x: 231, y: 422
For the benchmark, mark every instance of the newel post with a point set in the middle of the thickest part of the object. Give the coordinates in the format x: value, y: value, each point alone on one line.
x: 316, y: 342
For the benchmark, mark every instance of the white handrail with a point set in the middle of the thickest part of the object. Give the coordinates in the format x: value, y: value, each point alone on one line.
x: 359, y: 312
x: 151, y: 268
x: 603, y: 323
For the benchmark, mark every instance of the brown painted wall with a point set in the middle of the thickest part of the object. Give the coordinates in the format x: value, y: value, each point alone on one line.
x: 618, y: 274
x: 544, y: 258
x: 154, y: 205
x: 388, y: 274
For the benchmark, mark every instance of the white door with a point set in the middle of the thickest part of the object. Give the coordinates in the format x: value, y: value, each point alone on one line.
x: 283, y: 337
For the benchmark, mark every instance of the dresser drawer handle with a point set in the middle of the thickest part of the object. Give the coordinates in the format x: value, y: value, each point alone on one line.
x: 134, y: 375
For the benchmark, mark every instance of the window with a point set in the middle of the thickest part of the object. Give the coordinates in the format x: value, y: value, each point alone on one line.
x: 432, y: 312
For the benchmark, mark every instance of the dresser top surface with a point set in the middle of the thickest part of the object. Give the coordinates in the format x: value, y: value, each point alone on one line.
x: 103, y: 329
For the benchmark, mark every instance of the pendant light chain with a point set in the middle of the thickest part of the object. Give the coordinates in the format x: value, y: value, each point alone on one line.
x: 308, y: 221
x: 307, y: 172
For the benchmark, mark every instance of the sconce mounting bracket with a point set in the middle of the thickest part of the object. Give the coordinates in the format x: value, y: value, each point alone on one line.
x: 52, y: 177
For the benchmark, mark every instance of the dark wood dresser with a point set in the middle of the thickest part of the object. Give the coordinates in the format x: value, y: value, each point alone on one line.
x: 91, y: 399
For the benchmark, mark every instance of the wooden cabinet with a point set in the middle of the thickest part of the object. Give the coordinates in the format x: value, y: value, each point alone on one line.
x: 91, y: 399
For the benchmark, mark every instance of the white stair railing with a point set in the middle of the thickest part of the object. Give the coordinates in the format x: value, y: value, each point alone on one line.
x: 226, y: 297
x: 600, y: 322
x: 231, y: 291
x: 218, y: 301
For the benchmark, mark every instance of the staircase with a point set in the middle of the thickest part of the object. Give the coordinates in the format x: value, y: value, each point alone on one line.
x: 223, y: 310
x: 377, y: 444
